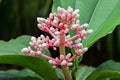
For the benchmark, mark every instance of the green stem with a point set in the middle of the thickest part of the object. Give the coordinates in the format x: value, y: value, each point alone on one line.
x: 62, y: 52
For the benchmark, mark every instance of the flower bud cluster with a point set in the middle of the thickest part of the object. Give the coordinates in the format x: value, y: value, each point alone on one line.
x: 63, y: 61
x: 57, y: 24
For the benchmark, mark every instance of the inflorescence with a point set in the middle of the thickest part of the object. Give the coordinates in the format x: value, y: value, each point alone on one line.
x: 57, y: 24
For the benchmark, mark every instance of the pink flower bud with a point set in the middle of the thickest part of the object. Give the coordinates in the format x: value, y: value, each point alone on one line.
x: 79, y: 45
x: 44, y: 45
x: 51, y: 16
x: 63, y: 63
x: 25, y: 50
x: 39, y: 26
x: 70, y: 10
x: 68, y: 56
x: 85, y: 49
x: 62, y: 57
x: 89, y: 31
x: 70, y: 64
x: 40, y: 19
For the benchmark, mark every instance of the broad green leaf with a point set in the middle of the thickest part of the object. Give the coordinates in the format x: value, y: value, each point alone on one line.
x: 10, y: 53
x: 18, y: 75
x: 104, y: 19
x: 86, y: 8
x: 102, y: 16
x: 107, y: 70
x: 38, y: 65
x: 14, y: 46
x: 84, y: 72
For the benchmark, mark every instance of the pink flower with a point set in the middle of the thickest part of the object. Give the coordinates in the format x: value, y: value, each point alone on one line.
x: 59, y: 24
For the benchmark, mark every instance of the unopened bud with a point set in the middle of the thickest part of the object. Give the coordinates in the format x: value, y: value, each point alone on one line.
x: 63, y: 16
x: 89, y: 31
x: 85, y: 49
x: 74, y: 26
x: 42, y: 36
x: 52, y: 29
x: 70, y: 10
x: 51, y: 16
x: 33, y: 39
x: 62, y: 57
x: 70, y: 64
x: 77, y: 16
x: 68, y: 56
x: 85, y: 25
x: 52, y: 62
x: 63, y: 63
x: 40, y: 19
x: 39, y: 26
x: 55, y: 21
x: 57, y: 33
x: 25, y: 50
x: 79, y: 45
x: 44, y: 45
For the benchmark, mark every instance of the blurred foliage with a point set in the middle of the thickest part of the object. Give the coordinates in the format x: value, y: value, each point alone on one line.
x: 18, y: 17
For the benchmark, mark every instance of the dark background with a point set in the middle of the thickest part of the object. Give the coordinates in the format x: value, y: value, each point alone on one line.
x: 18, y: 17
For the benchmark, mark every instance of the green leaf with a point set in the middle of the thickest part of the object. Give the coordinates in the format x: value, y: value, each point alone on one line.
x: 47, y: 52
x: 14, y: 46
x: 102, y: 16
x: 61, y: 3
x: 83, y: 72
x: 10, y: 53
x: 18, y: 75
x: 38, y: 65
x: 107, y: 70
x: 103, y: 20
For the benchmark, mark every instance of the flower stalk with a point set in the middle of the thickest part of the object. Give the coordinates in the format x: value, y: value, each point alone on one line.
x: 62, y: 52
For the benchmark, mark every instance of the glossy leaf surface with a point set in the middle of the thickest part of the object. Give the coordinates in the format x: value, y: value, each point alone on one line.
x: 18, y: 75
x: 102, y: 16
x: 83, y: 72
x: 10, y: 53
x: 107, y: 70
